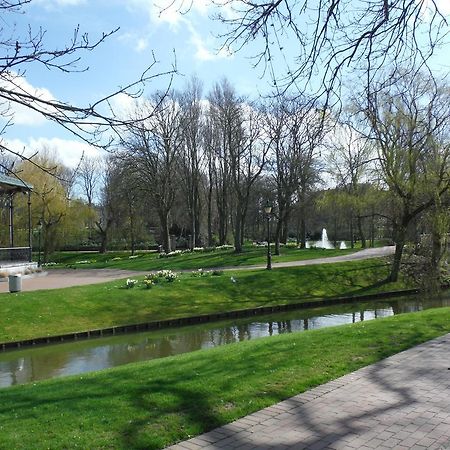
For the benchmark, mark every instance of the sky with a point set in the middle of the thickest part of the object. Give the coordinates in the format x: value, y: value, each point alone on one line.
x: 145, y: 32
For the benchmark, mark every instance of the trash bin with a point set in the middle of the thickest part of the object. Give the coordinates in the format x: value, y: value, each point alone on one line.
x: 15, y: 283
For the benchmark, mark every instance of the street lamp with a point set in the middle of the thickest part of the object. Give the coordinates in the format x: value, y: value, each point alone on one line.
x: 268, y: 211
x: 40, y: 224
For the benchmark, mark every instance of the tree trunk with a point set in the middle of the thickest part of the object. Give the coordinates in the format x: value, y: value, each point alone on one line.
x: 399, y: 244
x: 372, y: 230
x: 352, y: 240
x: 277, y: 236
x: 103, y: 241
x: 437, y: 254
x: 132, y: 233
x: 210, y: 234
x: 302, y: 232
x: 361, y: 232
x: 238, y: 228
x: 164, y: 223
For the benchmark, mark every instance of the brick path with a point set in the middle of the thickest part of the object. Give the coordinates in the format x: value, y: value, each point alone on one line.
x: 402, y: 402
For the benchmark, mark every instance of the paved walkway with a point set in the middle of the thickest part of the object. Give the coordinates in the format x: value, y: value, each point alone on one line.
x: 361, y: 254
x: 402, y: 402
x: 61, y: 278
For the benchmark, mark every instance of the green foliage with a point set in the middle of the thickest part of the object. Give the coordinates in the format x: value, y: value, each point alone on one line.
x: 157, y: 403
x: 33, y: 314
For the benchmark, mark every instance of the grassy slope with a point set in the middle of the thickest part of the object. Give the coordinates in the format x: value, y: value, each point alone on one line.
x: 219, y: 258
x: 33, y: 314
x: 150, y: 405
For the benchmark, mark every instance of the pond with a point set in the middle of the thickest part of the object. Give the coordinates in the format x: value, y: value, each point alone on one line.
x: 57, y: 360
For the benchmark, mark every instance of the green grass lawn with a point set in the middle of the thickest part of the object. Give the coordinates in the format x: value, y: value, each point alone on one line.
x: 153, y: 404
x: 218, y: 258
x: 26, y: 315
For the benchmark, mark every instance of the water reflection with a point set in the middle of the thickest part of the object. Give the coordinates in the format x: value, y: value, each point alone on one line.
x: 39, y: 363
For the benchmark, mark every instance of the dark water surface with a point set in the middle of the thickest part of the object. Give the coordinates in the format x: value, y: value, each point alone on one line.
x: 40, y: 363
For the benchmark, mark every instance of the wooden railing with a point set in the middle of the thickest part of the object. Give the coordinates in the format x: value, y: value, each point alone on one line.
x: 15, y: 254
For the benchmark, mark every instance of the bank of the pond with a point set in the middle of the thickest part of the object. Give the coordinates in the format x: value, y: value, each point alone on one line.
x: 39, y: 314
x: 151, y: 405
x: 204, y: 318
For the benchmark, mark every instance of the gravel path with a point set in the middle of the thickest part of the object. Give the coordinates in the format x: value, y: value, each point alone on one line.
x: 62, y: 278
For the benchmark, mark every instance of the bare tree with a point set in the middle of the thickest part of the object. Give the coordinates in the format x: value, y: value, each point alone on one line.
x: 152, y: 153
x: 96, y: 123
x: 225, y: 121
x: 88, y: 177
x: 335, y: 39
x: 109, y: 208
x: 294, y: 132
x: 192, y: 153
x: 350, y: 154
x: 247, y: 161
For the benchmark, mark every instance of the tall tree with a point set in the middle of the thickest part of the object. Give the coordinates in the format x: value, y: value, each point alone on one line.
x: 409, y: 123
x: 192, y: 153
x: 225, y: 121
x: 49, y: 199
x: 350, y: 154
x: 152, y: 154
x: 293, y: 132
x: 247, y: 161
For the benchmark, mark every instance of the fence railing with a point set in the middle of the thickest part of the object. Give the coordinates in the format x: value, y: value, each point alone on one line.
x: 15, y: 254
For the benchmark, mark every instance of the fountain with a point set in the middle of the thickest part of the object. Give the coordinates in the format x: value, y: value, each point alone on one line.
x: 324, y: 243
x: 343, y: 246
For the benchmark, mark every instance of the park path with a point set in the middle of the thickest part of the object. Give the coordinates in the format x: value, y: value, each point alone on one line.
x: 401, y: 402
x: 62, y: 278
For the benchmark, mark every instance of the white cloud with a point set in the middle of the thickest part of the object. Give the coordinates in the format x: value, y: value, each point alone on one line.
x: 21, y: 114
x: 141, y: 44
x: 173, y: 12
x: 53, y: 3
x: 123, y: 105
x: 202, y: 47
x: 443, y: 5
x: 181, y: 15
x: 68, y: 151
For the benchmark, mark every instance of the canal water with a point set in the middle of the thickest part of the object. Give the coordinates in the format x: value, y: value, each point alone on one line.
x: 57, y: 360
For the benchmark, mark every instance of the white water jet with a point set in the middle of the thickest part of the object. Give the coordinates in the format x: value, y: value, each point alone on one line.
x: 343, y: 246
x: 324, y: 243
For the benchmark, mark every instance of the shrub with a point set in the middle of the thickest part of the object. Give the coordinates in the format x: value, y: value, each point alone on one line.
x: 130, y: 283
x: 148, y: 283
x: 161, y: 275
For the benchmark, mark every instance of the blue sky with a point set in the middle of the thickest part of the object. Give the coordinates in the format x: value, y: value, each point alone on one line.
x: 144, y: 31
x: 144, y: 34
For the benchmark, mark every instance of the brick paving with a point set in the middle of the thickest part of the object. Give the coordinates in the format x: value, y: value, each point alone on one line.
x: 402, y: 402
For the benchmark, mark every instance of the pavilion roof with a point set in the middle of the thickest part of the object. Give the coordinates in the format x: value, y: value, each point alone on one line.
x: 11, y: 184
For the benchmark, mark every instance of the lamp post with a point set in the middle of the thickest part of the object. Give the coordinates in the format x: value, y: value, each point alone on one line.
x: 40, y: 223
x: 268, y: 211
